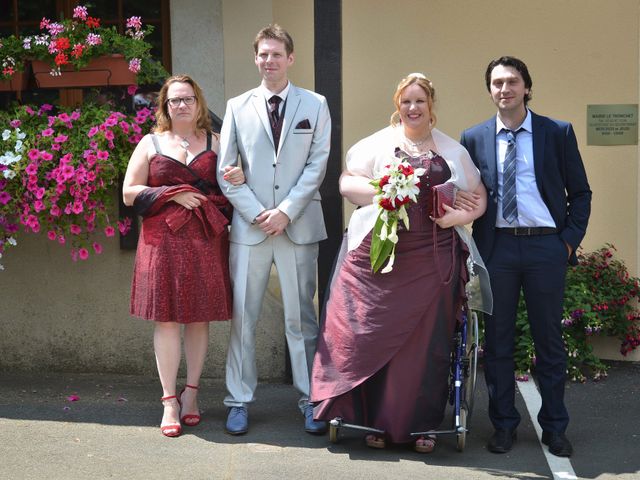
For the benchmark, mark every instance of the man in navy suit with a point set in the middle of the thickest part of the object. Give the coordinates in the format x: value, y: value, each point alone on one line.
x: 526, y: 239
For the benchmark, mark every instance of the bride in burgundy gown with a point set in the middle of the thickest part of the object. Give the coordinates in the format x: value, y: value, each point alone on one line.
x: 384, y: 349
x: 181, y: 273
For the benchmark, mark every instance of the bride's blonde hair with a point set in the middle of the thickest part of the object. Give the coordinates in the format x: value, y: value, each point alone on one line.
x: 425, y: 84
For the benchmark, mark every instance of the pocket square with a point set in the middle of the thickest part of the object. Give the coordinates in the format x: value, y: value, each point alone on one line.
x: 303, y: 124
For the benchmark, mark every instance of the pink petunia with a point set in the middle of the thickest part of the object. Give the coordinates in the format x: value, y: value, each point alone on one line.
x: 32, y: 169
x: 91, y: 160
x: 75, y: 229
x: 103, y: 154
x: 61, y: 138
x: 124, y: 226
x: 75, y: 115
x: 52, y: 235
x: 83, y: 253
x: 77, y: 208
x: 68, y: 171
x: 97, y: 248
x: 55, y: 211
x: 108, y: 134
x: 109, y: 231
x: 15, y: 123
x: 56, y: 147
x: 39, y: 205
x: 132, y: 89
x: 64, y: 117
x: 34, y: 154
x: 4, y: 197
x: 46, y: 155
x: 92, y: 131
x: 61, y: 239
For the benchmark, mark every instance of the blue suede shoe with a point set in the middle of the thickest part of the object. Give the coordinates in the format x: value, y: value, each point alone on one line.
x: 311, y: 425
x: 237, y: 421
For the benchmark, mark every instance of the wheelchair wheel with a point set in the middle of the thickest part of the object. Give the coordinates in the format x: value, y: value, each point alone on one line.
x: 462, y: 432
x: 471, y: 374
x: 334, y: 428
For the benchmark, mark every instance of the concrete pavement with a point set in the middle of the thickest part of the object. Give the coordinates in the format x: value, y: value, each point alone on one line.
x: 112, y: 431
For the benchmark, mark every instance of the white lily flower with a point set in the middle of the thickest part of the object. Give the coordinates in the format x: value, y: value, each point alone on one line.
x: 383, y: 231
x: 389, y: 265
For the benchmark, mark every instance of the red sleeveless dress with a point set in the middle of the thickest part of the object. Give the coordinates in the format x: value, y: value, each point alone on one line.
x: 181, y: 271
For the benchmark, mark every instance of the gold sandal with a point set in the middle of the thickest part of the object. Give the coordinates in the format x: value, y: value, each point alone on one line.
x: 425, y: 444
x: 375, y: 442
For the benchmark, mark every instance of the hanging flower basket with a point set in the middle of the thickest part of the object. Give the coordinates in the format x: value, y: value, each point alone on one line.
x: 108, y: 70
x: 17, y: 82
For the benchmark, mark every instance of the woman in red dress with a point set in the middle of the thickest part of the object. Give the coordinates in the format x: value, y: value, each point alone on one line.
x: 181, y: 273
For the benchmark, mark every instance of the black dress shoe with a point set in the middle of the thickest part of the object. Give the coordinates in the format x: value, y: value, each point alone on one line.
x: 502, y: 441
x: 558, y: 444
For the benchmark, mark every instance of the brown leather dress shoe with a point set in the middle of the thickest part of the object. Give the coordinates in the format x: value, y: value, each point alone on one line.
x: 558, y: 444
x: 502, y: 441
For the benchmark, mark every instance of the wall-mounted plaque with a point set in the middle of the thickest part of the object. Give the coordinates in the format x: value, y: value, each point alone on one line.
x: 612, y: 124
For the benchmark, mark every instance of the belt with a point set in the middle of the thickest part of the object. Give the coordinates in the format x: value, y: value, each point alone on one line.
x: 528, y: 231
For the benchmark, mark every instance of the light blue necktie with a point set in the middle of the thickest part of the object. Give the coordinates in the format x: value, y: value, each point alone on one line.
x: 509, y: 200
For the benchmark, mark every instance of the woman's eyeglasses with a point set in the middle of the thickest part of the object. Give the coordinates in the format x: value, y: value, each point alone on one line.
x: 175, y: 101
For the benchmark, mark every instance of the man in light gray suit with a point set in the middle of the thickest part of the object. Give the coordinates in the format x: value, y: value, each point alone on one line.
x: 281, y: 134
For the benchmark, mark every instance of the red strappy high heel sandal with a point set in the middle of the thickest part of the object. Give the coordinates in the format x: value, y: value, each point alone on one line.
x: 171, y: 429
x: 189, y: 419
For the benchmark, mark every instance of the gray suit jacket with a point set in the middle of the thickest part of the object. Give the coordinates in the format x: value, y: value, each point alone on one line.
x: 288, y: 179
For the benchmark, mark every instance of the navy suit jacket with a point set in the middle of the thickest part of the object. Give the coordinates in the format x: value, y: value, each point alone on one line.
x: 560, y: 176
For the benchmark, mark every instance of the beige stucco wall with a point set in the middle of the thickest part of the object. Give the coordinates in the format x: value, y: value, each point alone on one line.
x: 579, y: 52
x: 197, y: 46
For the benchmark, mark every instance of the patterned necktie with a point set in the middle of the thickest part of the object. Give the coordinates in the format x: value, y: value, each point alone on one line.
x: 274, y: 110
x: 274, y: 119
x: 509, y: 201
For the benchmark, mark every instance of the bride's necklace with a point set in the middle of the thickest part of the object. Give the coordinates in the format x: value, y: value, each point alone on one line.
x: 418, y: 144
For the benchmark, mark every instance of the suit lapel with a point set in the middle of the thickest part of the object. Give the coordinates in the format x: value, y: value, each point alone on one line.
x: 491, y: 166
x: 258, y: 103
x: 293, y: 102
x: 539, y: 134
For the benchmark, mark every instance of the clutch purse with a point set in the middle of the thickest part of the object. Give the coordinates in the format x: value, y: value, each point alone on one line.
x: 443, y: 194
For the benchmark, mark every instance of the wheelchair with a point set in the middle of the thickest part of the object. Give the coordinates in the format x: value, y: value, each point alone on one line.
x: 462, y: 384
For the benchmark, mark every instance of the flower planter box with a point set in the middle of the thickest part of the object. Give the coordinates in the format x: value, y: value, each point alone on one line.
x: 17, y: 82
x: 608, y: 348
x: 100, y: 72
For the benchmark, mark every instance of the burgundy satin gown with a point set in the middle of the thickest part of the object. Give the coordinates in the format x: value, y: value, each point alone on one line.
x: 384, y: 349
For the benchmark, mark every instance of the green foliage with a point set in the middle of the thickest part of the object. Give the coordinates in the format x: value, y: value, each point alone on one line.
x: 600, y: 298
